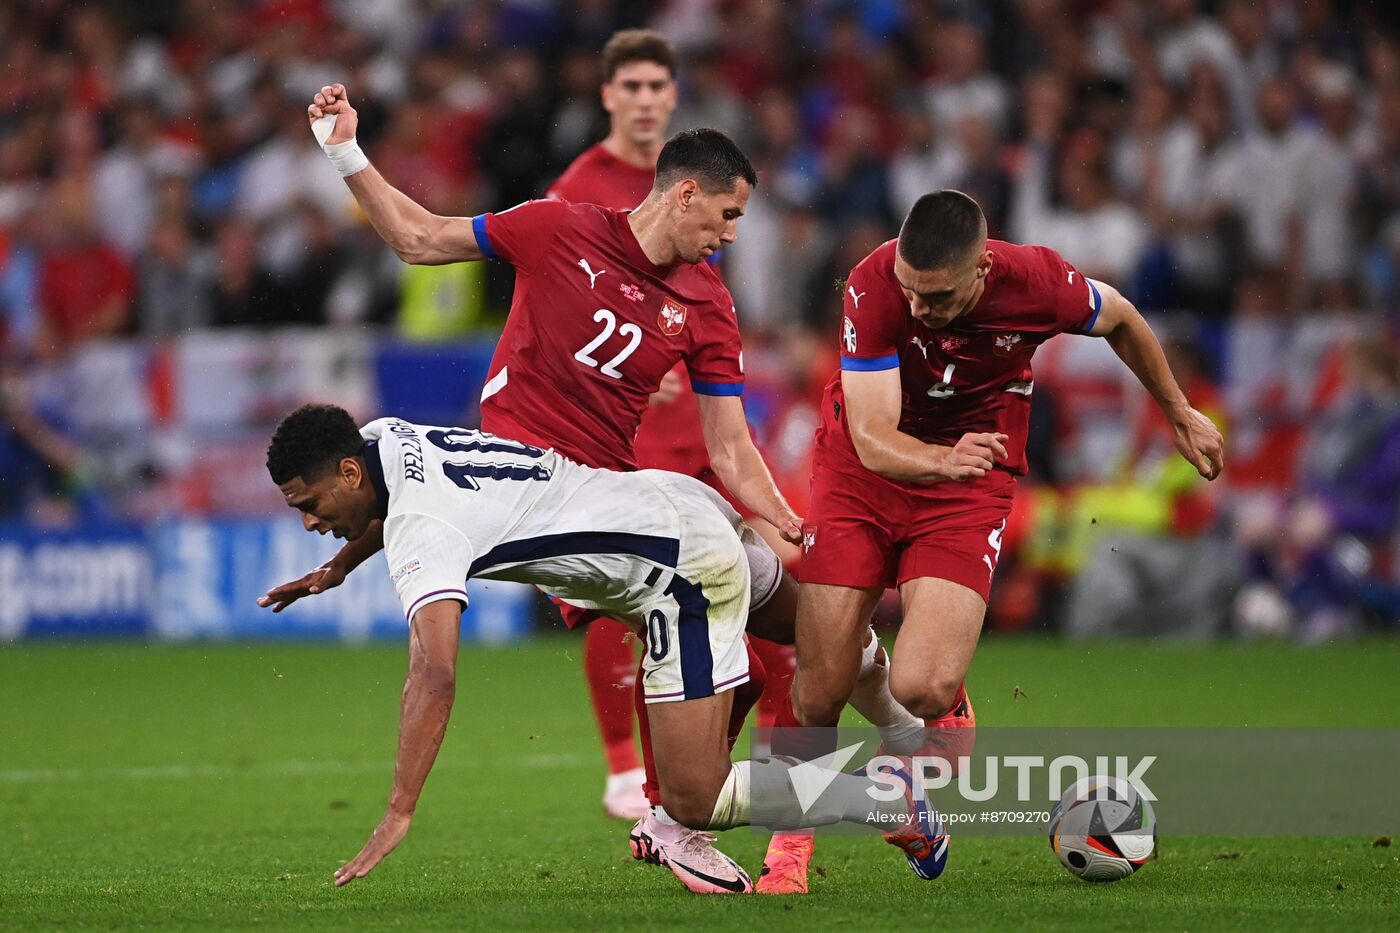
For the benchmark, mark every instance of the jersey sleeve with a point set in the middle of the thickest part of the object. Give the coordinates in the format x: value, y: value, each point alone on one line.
x: 716, y: 366
x: 872, y: 322
x: 521, y: 234
x: 1076, y: 300
x: 429, y: 560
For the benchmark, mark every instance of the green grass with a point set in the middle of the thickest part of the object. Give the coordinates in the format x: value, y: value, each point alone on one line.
x: 221, y: 785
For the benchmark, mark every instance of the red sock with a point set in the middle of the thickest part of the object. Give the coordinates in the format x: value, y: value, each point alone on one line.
x: 791, y: 737
x: 651, y: 788
x: 608, y: 662
x: 780, y: 661
x: 745, y: 696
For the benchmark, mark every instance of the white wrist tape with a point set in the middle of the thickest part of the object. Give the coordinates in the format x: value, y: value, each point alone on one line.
x: 347, y: 157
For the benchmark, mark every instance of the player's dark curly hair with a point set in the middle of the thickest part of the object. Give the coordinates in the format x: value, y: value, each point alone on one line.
x: 706, y: 155
x: 310, y: 441
x: 943, y: 228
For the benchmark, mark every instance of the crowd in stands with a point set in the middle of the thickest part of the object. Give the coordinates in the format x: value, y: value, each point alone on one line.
x: 1233, y: 166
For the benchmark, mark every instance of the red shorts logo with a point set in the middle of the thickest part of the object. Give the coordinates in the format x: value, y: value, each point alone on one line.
x: 671, y: 320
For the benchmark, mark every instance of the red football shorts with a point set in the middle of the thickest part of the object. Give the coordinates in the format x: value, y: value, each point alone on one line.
x: 574, y: 617
x: 863, y: 530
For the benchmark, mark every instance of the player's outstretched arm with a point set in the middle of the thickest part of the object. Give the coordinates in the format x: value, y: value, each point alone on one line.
x: 330, y: 574
x: 739, y: 465
x: 873, y: 404
x: 428, y: 694
x: 418, y: 235
x: 1197, y: 437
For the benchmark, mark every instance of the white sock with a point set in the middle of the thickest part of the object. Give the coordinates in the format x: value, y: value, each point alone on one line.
x: 869, y: 655
x: 900, y: 730
x: 735, y: 800
x: 788, y: 799
x: 625, y: 781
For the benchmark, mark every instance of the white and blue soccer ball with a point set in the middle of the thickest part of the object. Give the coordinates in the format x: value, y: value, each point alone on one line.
x: 1103, y: 829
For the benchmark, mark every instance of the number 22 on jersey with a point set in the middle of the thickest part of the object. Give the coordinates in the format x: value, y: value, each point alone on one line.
x: 609, y: 321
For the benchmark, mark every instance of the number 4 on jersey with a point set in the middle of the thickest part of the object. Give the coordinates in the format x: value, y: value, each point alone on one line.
x: 944, y: 387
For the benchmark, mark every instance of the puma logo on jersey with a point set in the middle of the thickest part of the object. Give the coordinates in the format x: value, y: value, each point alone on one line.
x: 855, y: 299
x: 1071, y: 276
x: 923, y: 347
x: 592, y: 276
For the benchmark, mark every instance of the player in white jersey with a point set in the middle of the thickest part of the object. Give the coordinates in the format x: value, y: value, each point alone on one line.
x: 659, y: 550
x: 656, y: 550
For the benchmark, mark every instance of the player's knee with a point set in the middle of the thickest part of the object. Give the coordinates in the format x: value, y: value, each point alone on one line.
x: 925, y: 697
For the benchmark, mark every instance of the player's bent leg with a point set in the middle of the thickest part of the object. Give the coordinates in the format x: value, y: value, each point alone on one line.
x: 942, y: 622
x: 832, y: 627
x: 689, y: 743
x: 688, y: 740
x: 901, y: 732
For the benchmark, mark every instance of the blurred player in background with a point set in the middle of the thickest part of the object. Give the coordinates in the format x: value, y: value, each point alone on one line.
x: 923, y: 435
x: 639, y: 94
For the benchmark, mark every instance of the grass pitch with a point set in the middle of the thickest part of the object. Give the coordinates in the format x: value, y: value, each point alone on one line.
x: 221, y: 785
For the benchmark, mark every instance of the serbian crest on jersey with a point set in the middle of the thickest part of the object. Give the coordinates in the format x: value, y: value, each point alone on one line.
x: 672, y: 318
x: 1005, y: 344
x: 848, y: 335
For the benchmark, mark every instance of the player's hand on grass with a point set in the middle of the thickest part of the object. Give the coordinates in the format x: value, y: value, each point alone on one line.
x: 1200, y: 443
x: 325, y: 577
x: 331, y: 101
x: 388, y: 834
x: 973, y: 455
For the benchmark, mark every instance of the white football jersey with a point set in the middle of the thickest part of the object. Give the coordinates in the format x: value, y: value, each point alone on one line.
x: 464, y: 503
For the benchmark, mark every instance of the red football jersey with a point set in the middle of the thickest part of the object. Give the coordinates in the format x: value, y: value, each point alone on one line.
x: 593, y: 327
x: 599, y: 177
x: 669, y: 437
x: 974, y: 374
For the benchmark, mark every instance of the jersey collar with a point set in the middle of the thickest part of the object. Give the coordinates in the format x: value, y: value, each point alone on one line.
x: 635, y: 254
x: 369, y: 451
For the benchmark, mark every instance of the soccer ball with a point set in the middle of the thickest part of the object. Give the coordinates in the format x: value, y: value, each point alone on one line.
x: 1102, y: 829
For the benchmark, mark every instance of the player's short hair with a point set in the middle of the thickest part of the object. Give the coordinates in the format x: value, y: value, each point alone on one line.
x: 943, y: 228
x: 310, y: 441
x: 708, y: 156
x: 637, y: 45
